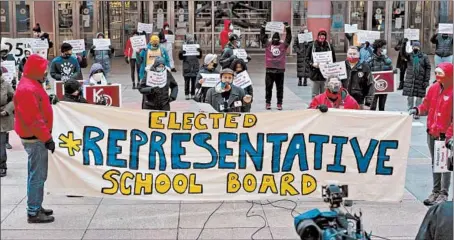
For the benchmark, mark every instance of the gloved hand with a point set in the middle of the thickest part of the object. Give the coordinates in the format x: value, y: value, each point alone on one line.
x: 184, y: 52
x: 425, y: 84
x: 413, y: 111
x: 93, y: 47
x: 50, y: 145
x: 286, y: 24
x: 323, y: 108
x: 144, y: 33
x: 249, y: 58
x: 199, y: 50
x: 53, y: 99
x: 449, y: 143
x: 127, y: 60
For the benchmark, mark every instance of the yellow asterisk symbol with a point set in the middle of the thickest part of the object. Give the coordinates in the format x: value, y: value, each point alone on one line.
x: 70, y: 143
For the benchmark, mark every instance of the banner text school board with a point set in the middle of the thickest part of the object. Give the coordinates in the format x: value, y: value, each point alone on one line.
x: 136, y: 154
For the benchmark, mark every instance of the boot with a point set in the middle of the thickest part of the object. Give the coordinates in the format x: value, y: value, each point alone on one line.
x: 300, y: 82
x: 8, y: 146
x: 47, y: 212
x: 133, y: 85
x: 187, y: 97
x: 2, y: 172
x: 174, y: 70
x: 40, y: 218
x: 431, y: 199
x: 305, y: 82
x: 401, y: 86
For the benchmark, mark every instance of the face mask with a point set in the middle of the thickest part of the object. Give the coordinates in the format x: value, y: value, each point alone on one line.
x: 415, y: 50
x: 321, y: 38
x: 305, y: 31
x: 222, y: 87
x: 334, y: 85
x: 231, y: 27
x: 353, y: 59
x: 383, y: 52
x: 167, y: 28
x: 238, y: 44
x: 160, y: 69
x: 444, y: 35
x: 98, y: 77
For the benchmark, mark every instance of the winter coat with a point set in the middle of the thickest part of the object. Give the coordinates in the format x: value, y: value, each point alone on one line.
x: 64, y: 68
x: 155, y: 98
x: 227, y: 56
x: 416, y: 83
x: 348, y: 102
x: 33, y: 112
x: 249, y: 90
x: 102, y: 56
x: 302, y: 69
x: 204, y: 90
x: 216, y: 100
x: 224, y: 35
x: 443, y: 45
x: 365, y: 53
x: 401, y: 60
x: 95, y: 67
x: 276, y: 55
x: 380, y: 63
x: 437, y: 224
x: 437, y: 105
x: 21, y: 67
x: 7, y: 105
x: 359, y: 83
x: 191, y: 64
x: 315, y: 74
x: 142, y: 57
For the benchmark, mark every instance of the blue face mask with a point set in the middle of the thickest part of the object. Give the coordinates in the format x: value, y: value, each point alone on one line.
x: 160, y: 69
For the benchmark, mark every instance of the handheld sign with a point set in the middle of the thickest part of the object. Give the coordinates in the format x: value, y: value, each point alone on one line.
x: 334, y: 69
x: 445, y: 28
x: 11, y: 67
x: 242, y: 80
x: 156, y: 79
x: 240, y: 53
x: 353, y: 28
x: 384, y: 82
x: 170, y: 38
x: 17, y: 46
x: 210, y: 79
x: 191, y: 49
x: 275, y: 27
x: 368, y: 36
x: 39, y: 44
x: 305, y: 37
x: 411, y: 34
x: 322, y: 57
x: 101, y: 44
x: 145, y: 27
x: 237, y: 32
x: 138, y: 42
x: 78, y: 45
x: 441, y: 155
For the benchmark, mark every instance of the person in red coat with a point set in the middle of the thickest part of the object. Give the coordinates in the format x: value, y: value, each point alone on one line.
x: 335, y: 96
x: 224, y: 36
x: 33, y: 123
x: 130, y: 58
x: 437, y: 106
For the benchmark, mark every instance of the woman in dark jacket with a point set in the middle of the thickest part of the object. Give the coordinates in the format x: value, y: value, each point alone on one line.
x: 209, y: 67
x: 27, y: 53
x: 302, y: 68
x: 379, y: 62
x: 401, y: 63
x: 191, y: 67
x: 239, y: 66
x: 417, y: 75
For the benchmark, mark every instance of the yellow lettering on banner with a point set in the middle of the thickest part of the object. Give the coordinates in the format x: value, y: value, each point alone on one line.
x: 230, y: 120
x: 109, y: 177
x: 198, y: 122
x: 180, y: 183
x: 308, y: 184
x: 249, y: 120
x: 194, y: 188
x: 145, y: 184
x: 187, y: 119
x: 268, y: 182
x: 125, y: 190
x: 155, y: 120
x: 286, y: 185
x: 216, y: 117
x: 249, y: 183
x: 172, y: 123
x: 163, y: 183
x: 233, y: 185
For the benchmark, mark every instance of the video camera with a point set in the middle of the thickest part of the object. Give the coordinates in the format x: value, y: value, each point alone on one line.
x: 334, y: 195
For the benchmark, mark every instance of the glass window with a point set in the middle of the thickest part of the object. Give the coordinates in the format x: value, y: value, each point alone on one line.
x: 65, y: 21
x: 181, y: 19
x: 378, y: 17
x: 23, y: 18
x: 358, y: 14
x: 299, y: 16
x: 397, y: 22
x: 159, y: 14
x: 415, y: 14
x: 202, y: 24
x: 86, y: 21
x: 4, y: 17
x: 339, y: 11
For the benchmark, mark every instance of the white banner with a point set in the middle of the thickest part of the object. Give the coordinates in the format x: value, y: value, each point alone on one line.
x: 144, y: 27
x: 305, y: 37
x: 322, y: 57
x: 411, y: 34
x: 17, y: 46
x: 211, y: 79
x: 37, y: 43
x: 191, y: 49
x: 242, y: 80
x: 368, y: 36
x: 156, y: 79
x: 240, y: 53
x: 334, y: 69
x: 441, y: 155
x: 353, y: 28
x: 445, y: 28
x: 135, y: 154
x: 170, y: 38
x: 101, y: 44
x: 77, y: 44
x: 275, y: 27
x: 138, y: 42
x: 11, y: 67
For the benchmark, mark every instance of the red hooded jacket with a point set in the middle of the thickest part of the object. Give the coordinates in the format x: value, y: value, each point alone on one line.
x: 437, y: 105
x: 128, y: 49
x: 348, y: 101
x: 224, y: 36
x: 33, y: 112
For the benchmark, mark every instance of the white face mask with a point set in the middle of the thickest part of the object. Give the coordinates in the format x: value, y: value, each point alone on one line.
x: 167, y: 28
x: 97, y: 78
x: 231, y: 27
x: 383, y: 52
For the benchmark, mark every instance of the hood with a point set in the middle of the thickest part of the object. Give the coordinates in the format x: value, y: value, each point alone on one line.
x: 166, y: 24
x: 99, y: 33
x: 322, y: 31
x: 240, y: 61
x: 95, y: 67
x: 35, y: 67
x: 158, y: 61
x: 189, y: 38
x: 447, y: 69
x: 227, y: 24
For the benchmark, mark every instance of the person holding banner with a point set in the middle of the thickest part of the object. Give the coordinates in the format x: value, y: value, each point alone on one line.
x: 239, y: 66
x: 130, y: 58
x: 209, y: 67
x: 65, y: 66
x: 167, y: 45
x: 156, y: 97
x: 102, y: 56
x: 147, y: 56
x: 302, y: 69
x: 443, y: 47
x: 191, y: 67
x: 335, y: 96
x: 378, y: 62
x: 6, y: 118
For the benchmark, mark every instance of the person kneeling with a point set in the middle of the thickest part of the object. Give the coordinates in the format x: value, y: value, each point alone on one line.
x: 157, y: 97
x: 335, y: 96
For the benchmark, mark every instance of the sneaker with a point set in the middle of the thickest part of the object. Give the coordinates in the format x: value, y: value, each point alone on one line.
x: 8, y: 146
x: 431, y: 199
x: 47, y: 212
x: 279, y: 107
x: 40, y: 218
x: 192, y: 96
x: 268, y: 106
x: 441, y: 198
x: 187, y: 97
x: 416, y: 117
x: 2, y: 172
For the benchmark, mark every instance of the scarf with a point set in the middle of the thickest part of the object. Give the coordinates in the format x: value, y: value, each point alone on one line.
x: 416, y: 61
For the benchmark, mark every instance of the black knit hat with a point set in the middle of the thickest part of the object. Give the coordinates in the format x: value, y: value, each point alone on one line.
x: 71, y: 86
x: 66, y: 47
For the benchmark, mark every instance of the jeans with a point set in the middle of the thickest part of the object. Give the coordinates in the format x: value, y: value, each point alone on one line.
x: 411, y: 102
x: 135, y: 67
x: 189, y: 81
x: 37, y: 175
x: 439, y: 59
x: 318, y: 87
x: 270, y: 79
x: 381, y: 100
x: 3, y: 142
x: 441, y: 181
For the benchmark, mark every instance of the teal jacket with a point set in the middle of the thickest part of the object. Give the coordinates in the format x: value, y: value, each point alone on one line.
x: 143, y: 58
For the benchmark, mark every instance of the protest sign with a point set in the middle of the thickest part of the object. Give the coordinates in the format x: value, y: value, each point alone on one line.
x: 59, y: 89
x: 77, y: 44
x: 17, y: 46
x: 160, y: 155
x: 242, y: 80
x: 11, y: 68
x: 305, y: 37
x: 211, y: 79
x: 145, y: 27
x: 191, y: 49
x: 411, y: 34
x: 111, y: 94
x: 41, y: 52
x: 275, y: 27
x: 368, y: 36
x: 445, y: 28
x: 334, y: 69
x: 101, y: 44
x: 37, y: 43
x: 241, y: 53
x: 156, y: 79
x: 353, y: 28
x: 170, y: 38
x: 322, y: 57
x: 237, y: 32
x: 138, y: 42
x: 384, y: 82
x: 441, y: 155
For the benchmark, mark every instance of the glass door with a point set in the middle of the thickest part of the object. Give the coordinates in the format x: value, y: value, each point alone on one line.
x: 339, y: 15
x: 379, y: 18
x: 397, y: 23
x: 65, y: 28
x: 160, y: 14
x: 5, y: 19
x: 358, y: 15
x: 112, y: 13
x: 203, y: 24
x: 87, y: 28
x: 23, y: 19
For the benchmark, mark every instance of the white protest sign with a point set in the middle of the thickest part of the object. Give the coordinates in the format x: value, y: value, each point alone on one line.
x: 211, y: 79
x: 170, y: 38
x: 156, y: 79
x: 445, y: 28
x: 322, y: 57
x: 411, y: 34
x: 77, y: 44
x: 353, y: 28
x: 41, y: 52
x: 305, y: 37
x: 191, y: 49
x: 242, y: 80
x: 367, y: 36
x: 240, y: 53
x: 275, y: 27
x: 17, y: 46
x: 334, y: 69
x: 138, y: 42
x: 11, y: 67
x: 101, y: 44
x: 145, y: 27
x: 441, y: 155
x: 237, y: 32
x: 37, y: 43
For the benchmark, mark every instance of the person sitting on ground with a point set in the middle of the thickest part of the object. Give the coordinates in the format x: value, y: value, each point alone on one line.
x: 335, y: 96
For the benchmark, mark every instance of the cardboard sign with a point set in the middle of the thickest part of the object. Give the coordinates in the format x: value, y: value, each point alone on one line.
x: 305, y: 37
x: 278, y: 27
x: 138, y: 42
x: 17, y: 46
x: 242, y: 80
x: 191, y: 49
x: 240, y: 53
x: 110, y: 93
x: 101, y: 44
x: 11, y: 67
x: 441, y: 155
x: 37, y: 43
x: 384, y: 82
x: 411, y: 34
x: 334, y: 69
x: 368, y: 36
x: 59, y: 88
x: 445, y: 28
x: 322, y: 57
x: 77, y: 44
x: 144, y: 27
x: 211, y: 79
x: 170, y: 38
x: 156, y: 79
x: 353, y: 28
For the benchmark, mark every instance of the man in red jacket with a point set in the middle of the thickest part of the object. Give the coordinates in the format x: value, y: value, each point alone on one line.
x: 224, y: 36
x: 335, y: 96
x: 33, y: 124
x: 437, y: 105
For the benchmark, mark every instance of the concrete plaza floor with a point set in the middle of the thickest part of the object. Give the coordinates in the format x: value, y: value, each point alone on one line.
x: 103, y: 218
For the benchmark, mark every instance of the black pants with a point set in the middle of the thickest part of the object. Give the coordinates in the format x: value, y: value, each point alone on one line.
x: 3, y: 157
x: 134, y: 68
x: 270, y: 79
x: 381, y: 99
x: 189, y: 81
x: 402, y: 74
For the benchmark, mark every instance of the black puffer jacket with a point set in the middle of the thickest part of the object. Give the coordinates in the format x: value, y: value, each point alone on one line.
x: 315, y: 74
x: 302, y: 68
x: 191, y: 64
x: 248, y: 90
x: 417, y: 77
x: 227, y: 56
x: 359, y: 83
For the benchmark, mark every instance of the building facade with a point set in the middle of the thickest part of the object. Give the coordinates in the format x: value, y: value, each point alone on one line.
x: 65, y: 20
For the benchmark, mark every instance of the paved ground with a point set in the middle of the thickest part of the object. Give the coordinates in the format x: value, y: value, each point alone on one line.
x: 102, y: 218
